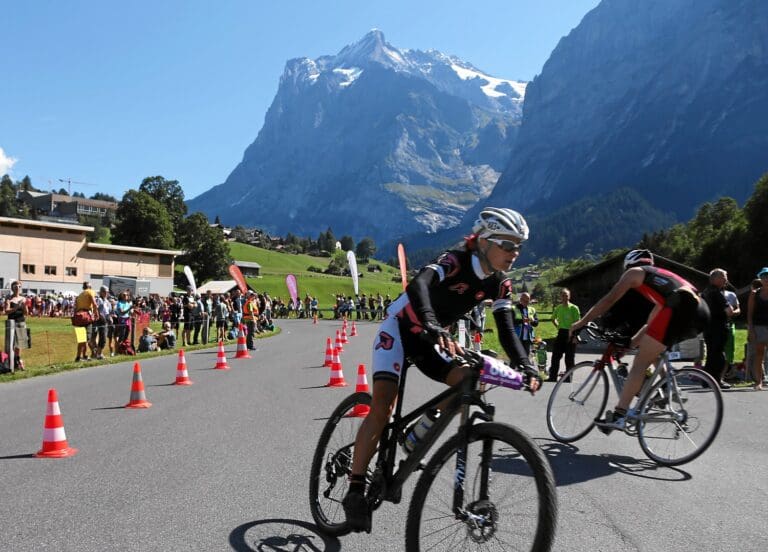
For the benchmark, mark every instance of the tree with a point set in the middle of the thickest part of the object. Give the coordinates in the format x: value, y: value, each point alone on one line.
x: 330, y: 240
x: 142, y: 221
x: 347, y: 243
x: 169, y: 194
x: 104, y: 197
x: 365, y: 249
x: 338, y: 263
x: 205, y: 250
x: 8, y: 207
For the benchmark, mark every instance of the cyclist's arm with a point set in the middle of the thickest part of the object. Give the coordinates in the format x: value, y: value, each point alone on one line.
x: 418, y: 295
x: 630, y: 279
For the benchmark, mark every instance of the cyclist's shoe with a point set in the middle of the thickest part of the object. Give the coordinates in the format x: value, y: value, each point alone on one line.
x: 358, y: 512
x: 611, y: 421
x: 662, y: 402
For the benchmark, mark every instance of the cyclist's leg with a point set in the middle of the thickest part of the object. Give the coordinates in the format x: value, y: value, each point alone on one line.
x: 647, y: 353
x: 388, y: 362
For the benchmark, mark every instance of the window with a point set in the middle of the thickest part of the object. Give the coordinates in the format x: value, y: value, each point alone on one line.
x: 71, y: 270
x: 28, y: 268
x: 50, y: 270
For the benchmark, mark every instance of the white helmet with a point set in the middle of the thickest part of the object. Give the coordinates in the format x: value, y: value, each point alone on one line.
x: 494, y: 221
x: 637, y: 257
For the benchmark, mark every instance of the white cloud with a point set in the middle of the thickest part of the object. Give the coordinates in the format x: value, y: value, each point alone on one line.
x: 6, y: 163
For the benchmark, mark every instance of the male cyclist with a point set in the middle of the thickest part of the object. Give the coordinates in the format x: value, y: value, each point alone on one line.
x: 414, y: 330
x: 678, y: 314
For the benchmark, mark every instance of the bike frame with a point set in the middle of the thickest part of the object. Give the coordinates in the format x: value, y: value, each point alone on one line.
x: 465, y: 394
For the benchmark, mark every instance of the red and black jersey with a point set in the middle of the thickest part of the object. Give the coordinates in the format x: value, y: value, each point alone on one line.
x: 659, y: 284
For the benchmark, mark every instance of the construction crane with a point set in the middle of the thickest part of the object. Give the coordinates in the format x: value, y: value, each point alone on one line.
x: 69, y: 183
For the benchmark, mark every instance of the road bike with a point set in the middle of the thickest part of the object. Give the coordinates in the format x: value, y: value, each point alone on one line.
x: 676, y: 416
x: 488, y: 487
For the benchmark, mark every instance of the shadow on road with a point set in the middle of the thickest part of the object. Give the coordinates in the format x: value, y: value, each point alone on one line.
x: 17, y: 456
x: 283, y: 535
x: 570, y: 466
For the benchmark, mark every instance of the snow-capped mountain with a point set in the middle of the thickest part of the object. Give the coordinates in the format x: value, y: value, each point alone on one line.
x: 374, y: 141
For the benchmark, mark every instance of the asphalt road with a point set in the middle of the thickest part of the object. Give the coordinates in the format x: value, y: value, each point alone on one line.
x: 223, y: 464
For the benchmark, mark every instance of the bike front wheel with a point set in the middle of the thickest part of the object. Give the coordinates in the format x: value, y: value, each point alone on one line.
x: 577, y: 399
x: 332, y: 464
x: 509, y: 498
x: 674, y: 427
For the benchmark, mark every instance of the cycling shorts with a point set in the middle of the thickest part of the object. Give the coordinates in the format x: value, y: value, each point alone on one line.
x: 393, y: 352
x: 683, y: 317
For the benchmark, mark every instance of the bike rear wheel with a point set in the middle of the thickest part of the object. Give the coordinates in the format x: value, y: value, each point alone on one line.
x: 518, y: 513
x: 577, y: 399
x: 673, y: 430
x: 332, y: 463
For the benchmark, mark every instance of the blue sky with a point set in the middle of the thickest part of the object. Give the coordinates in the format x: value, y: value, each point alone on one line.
x: 106, y: 93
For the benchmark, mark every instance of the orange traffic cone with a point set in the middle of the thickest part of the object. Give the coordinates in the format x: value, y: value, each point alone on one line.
x: 337, y: 375
x: 242, y: 349
x: 339, y: 343
x: 361, y: 410
x: 221, y: 358
x: 182, y: 377
x: 138, y: 396
x: 354, y: 330
x: 54, y: 439
x: 344, y: 338
x: 328, y: 354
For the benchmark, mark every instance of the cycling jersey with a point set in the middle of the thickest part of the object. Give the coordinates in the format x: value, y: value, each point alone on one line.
x: 441, y: 294
x: 682, y: 315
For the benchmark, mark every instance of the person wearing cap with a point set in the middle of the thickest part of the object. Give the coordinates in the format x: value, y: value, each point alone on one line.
x: 104, y: 307
x: 16, y: 309
x: 86, y: 301
x: 757, y: 327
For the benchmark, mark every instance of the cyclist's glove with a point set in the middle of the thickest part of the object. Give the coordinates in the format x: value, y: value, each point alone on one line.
x: 434, y: 331
x: 530, y: 373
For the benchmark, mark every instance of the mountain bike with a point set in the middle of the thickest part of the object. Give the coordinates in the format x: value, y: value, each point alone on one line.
x: 676, y: 416
x: 489, y: 486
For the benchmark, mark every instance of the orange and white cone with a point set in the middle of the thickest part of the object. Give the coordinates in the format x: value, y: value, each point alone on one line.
x: 328, y: 354
x: 182, y: 377
x: 54, y: 439
x: 339, y: 342
x: 337, y: 374
x: 242, y: 348
x: 221, y: 358
x: 354, y: 330
x: 138, y: 396
x: 361, y: 410
x: 344, y: 338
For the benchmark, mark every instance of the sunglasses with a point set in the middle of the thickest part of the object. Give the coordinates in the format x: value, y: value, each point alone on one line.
x: 506, y: 245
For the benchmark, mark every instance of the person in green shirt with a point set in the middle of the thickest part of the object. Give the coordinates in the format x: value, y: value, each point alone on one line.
x: 564, y: 315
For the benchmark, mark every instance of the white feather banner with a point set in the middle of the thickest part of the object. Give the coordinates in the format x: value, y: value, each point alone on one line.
x: 352, y: 260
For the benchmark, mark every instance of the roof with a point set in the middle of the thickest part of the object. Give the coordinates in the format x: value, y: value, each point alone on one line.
x: 111, y: 247
x: 246, y: 264
x: 217, y: 286
x: 42, y: 224
x: 599, y: 267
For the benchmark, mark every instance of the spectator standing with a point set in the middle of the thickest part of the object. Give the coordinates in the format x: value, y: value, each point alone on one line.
x: 124, y: 310
x: 86, y: 302
x: 730, y: 341
x: 198, y: 315
x: 187, y: 305
x: 526, y: 320
x: 564, y: 315
x: 101, y: 324
x: 757, y: 327
x: 716, y: 331
x: 313, y: 309
x: 16, y: 309
x: 251, y: 317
